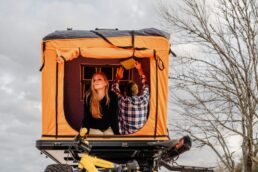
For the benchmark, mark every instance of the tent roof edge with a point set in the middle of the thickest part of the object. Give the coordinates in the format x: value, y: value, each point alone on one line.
x: 73, y: 34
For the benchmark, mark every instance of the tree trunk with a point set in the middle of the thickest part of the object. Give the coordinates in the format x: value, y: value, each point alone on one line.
x: 248, y: 143
x: 247, y: 160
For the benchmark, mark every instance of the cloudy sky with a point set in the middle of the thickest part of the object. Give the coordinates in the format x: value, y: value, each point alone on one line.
x: 22, y: 25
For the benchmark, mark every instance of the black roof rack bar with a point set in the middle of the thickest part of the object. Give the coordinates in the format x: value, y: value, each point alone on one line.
x: 185, y: 168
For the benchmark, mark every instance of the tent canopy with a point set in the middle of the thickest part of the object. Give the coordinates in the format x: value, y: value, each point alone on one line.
x: 66, y: 55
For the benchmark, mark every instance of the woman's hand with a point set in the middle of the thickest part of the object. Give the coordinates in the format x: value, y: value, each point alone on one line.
x: 119, y: 73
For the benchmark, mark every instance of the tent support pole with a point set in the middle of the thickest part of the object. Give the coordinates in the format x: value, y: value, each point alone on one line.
x: 56, y: 100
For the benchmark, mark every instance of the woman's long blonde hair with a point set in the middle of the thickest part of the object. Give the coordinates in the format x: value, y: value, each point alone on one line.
x: 95, y: 107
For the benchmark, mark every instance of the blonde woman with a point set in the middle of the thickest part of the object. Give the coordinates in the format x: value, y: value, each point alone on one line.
x: 100, y: 108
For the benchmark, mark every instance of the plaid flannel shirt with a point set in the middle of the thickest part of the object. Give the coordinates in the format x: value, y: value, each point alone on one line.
x: 132, y: 109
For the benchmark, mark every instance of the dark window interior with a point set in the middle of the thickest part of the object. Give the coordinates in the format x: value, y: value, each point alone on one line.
x: 88, y: 72
x: 108, y: 70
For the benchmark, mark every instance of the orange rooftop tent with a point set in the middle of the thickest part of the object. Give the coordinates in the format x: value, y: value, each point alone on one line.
x: 64, y: 53
x: 69, y: 59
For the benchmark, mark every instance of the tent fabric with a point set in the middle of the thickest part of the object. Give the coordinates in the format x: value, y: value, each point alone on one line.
x: 67, y: 54
x: 60, y: 50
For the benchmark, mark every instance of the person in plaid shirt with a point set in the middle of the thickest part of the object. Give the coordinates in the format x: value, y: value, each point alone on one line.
x: 133, y: 108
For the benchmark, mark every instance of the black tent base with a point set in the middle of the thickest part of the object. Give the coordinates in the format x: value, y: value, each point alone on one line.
x: 149, y: 154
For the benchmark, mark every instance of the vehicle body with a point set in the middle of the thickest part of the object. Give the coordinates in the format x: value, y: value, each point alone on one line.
x: 69, y: 59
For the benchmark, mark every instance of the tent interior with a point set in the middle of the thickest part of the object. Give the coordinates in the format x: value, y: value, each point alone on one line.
x: 77, y: 79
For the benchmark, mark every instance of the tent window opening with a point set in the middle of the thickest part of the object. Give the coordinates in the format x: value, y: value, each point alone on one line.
x: 87, y: 71
x: 77, y: 80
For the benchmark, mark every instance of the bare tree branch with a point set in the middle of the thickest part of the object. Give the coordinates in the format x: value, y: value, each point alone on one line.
x: 218, y: 85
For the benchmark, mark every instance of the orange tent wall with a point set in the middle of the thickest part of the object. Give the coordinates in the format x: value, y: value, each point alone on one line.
x: 98, y: 48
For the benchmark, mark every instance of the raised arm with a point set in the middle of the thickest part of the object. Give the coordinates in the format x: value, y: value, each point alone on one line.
x: 115, y: 85
x: 138, y: 66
